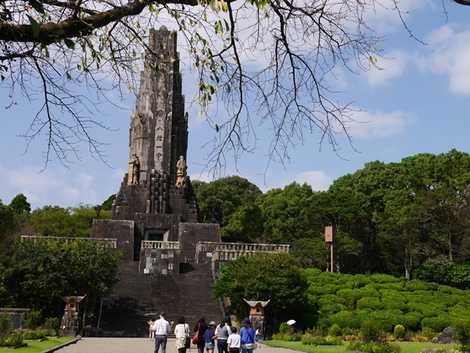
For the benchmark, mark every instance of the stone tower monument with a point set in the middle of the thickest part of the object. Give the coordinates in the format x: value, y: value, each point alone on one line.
x: 167, y: 256
x: 152, y: 195
x: 158, y: 133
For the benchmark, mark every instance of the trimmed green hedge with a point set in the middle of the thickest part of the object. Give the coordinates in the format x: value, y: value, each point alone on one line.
x: 347, y: 301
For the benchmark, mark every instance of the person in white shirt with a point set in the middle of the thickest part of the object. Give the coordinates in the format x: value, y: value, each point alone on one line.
x: 182, y: 335
x: 162, y: 330
x: 233, y: 341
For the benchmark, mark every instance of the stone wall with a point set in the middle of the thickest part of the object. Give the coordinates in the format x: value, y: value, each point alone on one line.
x: 17, y: 316
x: 122, y: 231
x: 189, y: 234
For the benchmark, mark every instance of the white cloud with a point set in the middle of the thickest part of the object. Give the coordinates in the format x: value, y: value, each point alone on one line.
x: 388, y: 67
x: 55, y: 186
x: 450, y: 55
x: 202, y: 176
x: 369, y: 125
x: 317, y: 179
x: 383, y: 17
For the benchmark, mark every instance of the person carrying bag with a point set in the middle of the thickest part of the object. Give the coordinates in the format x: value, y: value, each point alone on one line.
x: 247, y: 337
x: 182, y: 336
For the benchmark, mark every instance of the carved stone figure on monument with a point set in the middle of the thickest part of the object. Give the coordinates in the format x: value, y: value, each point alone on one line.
x: 134, y: 171
x: 181, y: 173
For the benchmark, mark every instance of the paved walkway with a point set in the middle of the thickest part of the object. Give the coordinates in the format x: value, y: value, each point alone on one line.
x: 137, y: 345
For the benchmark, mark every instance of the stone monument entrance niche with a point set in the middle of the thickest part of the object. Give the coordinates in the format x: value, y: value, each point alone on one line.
x: 156, y: 234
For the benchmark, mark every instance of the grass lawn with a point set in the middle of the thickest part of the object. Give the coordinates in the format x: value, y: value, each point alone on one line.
x: 406, y: 347
x: 36, y: 346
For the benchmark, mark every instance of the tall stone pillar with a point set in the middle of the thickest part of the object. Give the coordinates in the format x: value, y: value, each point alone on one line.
x: 159, y: 128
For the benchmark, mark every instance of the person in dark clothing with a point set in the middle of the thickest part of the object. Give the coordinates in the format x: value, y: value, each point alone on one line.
x: 200, y: 329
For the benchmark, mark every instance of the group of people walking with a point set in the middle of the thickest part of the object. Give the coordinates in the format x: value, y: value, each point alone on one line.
x: 206, y: 337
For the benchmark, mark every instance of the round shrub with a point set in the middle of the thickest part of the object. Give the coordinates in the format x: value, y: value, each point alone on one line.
x: 284, y: 328
x: 14, y: 339
x: 412, y: 320
x: 392, y: 302
x: 370, y: 331
x: 415, y: 285
x: 52, y: 323
x: 334, y: 330
x: 437, y: 323
x: 382, y: 278
x: 399, y: 332
x: 387, y: 319
x: 348, y: 296
x: 343, y: 319
x: 369, y: 303
x: 331, y: 308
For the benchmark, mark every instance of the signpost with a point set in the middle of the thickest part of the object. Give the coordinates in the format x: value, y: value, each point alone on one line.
x: 329, y: 240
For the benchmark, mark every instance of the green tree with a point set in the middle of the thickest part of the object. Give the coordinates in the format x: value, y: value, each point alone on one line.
x: 64, y: 222
x: 20, y: 204
x: 245, y: 224
x: 261, y: 277
x: 7, y: 221
x: 443, y: 271
x: 38, y: 274
x: 310, y: 252
x: 289, y: 214
x: 402, y: 213
x: 108, y: 203
x: 219, y: 199
x: 51, y: 221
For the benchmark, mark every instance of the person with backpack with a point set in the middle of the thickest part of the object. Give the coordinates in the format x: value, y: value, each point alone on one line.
x: 247, y: 337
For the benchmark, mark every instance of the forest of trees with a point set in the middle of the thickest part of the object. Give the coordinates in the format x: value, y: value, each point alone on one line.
x: 389, y: 217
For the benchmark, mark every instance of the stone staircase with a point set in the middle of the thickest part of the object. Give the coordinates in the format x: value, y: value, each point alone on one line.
x: 138, y: 298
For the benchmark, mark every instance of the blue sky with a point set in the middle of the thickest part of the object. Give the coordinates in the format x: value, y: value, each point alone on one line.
x: 417, y: 102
